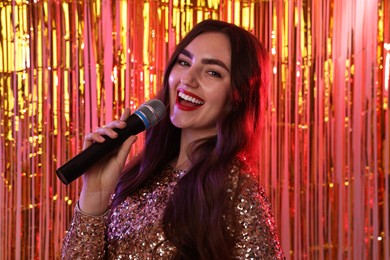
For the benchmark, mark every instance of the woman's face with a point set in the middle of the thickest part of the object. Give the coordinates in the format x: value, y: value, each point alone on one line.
x: 200, y: 84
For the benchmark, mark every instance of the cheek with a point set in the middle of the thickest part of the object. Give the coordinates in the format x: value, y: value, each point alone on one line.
x: 171, y: 85
x: 222, y: 97
x: 225, y: 105
x: 172, y: 95
x: 170, y: 80
x: 173, y: 77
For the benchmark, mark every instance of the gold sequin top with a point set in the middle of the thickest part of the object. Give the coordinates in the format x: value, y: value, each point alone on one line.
x: 133, y: 229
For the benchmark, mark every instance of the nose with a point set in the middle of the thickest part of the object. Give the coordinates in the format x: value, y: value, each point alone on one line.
x: 189, y: 79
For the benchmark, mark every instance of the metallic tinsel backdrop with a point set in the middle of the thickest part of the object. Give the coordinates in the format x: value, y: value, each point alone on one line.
x: 67, y: 67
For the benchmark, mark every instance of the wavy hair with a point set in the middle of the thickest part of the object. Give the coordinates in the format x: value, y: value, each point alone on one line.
x: 193, y: 221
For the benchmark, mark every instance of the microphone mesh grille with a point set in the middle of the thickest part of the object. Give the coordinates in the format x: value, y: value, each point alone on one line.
x: 154, y: 111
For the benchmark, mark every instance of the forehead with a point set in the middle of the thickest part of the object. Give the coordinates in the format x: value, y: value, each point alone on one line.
x: 212, y: 45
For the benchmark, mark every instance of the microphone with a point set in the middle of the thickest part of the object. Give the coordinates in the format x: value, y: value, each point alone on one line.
x: 145, y: 117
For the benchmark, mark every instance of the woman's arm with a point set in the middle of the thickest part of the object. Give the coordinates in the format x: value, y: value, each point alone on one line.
x: 255, y: 227
x: 85, y: 238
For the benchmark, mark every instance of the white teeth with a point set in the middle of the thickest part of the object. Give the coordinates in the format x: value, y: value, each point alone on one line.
x: 190, y: 99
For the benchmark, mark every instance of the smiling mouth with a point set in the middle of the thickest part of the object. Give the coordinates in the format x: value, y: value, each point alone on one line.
x: 188, y: 102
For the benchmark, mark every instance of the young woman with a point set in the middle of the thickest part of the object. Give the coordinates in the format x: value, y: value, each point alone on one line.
x: 192, y: 193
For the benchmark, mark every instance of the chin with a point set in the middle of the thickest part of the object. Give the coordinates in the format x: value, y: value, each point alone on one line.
x: 175, y: 122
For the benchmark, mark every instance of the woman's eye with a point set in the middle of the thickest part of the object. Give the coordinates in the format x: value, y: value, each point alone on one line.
x: 214, y: 74
x: 183, y: 63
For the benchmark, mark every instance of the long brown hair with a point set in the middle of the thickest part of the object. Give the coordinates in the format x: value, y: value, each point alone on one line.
x: 193, y: 221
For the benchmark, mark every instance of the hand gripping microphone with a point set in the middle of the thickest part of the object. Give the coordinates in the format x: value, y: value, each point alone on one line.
x: 146, y: 116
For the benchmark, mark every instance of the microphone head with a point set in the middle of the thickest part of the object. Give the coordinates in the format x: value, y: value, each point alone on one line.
x: 151, y: 112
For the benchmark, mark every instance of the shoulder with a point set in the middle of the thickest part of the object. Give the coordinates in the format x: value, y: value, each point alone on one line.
x: 248, y: 194
x: 245, y: 182
x: 254, y: 226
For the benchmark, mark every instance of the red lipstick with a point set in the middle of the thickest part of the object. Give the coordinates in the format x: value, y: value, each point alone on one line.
x: 188, y: 101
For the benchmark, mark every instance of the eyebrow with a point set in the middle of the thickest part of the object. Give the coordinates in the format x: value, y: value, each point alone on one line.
x: 206, y: 60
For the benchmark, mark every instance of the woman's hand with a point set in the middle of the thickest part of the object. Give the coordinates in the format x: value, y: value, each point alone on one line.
x: 101, y: 179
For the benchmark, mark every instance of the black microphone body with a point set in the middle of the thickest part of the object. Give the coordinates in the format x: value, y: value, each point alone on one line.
x: 135, y: 124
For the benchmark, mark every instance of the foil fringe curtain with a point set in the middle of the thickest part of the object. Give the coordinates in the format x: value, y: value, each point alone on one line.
x: 67, y: 67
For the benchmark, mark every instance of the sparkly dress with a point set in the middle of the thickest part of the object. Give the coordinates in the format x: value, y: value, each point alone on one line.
x: 133, y: 229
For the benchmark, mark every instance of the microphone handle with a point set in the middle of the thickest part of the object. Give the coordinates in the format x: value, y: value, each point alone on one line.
x: 79, y: 164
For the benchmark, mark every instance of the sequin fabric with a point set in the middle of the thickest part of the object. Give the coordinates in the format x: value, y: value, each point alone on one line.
x: 133, y: 229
